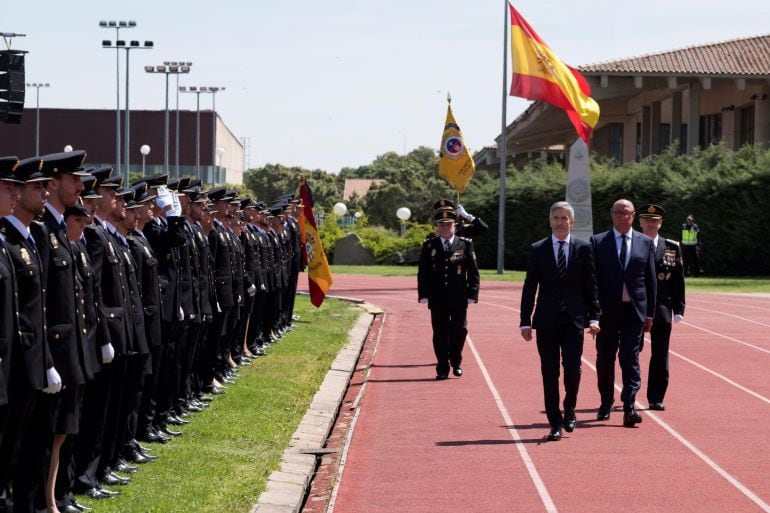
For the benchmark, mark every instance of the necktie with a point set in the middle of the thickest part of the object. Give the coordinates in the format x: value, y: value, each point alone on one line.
x: 63, y: 226
x: 561, y: 261
x: 446, y: 246
x: 623, y: 251
x: 31, y: 241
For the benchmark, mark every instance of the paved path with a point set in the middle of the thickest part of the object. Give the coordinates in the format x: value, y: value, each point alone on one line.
x: 475, y: 444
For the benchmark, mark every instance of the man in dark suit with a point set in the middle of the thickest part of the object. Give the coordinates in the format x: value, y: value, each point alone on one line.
x: 669, y: 304
x: 625, y: 266
x: 561, y: 270
x: 448, y: 281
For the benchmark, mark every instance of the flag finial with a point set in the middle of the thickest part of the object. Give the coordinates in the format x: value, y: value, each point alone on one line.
x: 448, y: 97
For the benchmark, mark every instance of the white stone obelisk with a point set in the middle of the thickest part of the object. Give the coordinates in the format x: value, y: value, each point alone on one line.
x: 579, y: 189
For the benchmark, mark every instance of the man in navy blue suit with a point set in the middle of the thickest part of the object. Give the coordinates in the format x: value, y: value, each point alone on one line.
x: 625, y: 267
x: 561, y: 270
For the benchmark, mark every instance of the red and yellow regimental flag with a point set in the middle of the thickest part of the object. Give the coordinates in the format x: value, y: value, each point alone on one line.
x: 538, y: 74
x: 319, y: 275
x: 456, y: 164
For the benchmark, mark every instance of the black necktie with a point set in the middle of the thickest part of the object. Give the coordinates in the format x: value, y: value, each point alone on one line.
x: 446, y: 245
x: 623, y: 251
x: 561, y: 261
x: 63, y: 225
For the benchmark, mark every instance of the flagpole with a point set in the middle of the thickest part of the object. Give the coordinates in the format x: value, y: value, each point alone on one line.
x: 501, y: 151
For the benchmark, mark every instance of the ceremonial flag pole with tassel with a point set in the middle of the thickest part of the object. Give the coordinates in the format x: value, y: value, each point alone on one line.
x: 319, y: 274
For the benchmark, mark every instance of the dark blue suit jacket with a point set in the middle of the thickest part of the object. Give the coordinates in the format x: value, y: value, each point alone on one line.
x: 638, y: 276
x: 578, y: 290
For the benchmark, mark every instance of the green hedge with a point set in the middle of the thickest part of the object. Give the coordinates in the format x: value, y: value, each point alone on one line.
x: 723, y: 189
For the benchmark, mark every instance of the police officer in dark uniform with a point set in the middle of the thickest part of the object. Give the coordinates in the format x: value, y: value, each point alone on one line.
x: 9, y: 195
x: 669, y: 304
x: 26, y: 443
x: 448, y: 281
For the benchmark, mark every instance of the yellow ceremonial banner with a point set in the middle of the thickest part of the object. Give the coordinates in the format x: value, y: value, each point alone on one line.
x: 456, y: 165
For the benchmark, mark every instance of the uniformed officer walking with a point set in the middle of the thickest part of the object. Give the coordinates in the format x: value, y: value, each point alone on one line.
x: 669, y: 305
x: 448, y: 281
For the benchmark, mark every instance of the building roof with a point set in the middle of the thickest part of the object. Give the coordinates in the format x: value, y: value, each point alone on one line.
x: 745, y: 57
x: 358, y: 186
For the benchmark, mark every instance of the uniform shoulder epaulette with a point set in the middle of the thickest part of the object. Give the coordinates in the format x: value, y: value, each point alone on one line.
x: 466, y: 239
x: 671, y: 241
x: 429, y: 237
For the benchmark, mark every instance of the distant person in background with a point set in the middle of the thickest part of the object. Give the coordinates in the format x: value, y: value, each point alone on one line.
x: 448, y: 281
x: 669, y: 304
x: 691, y: 247
x: 561, y: 271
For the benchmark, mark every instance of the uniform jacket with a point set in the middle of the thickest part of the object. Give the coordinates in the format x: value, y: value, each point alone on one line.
x: 137, y: 338
x: 670, y: 275
x: 220, y: 248
x: 8, y: 329
x: 96, y: 333
x: 638, y: 276
x: 31, y: 357
x: 164, y: 236
x: 110, y: 291
x: 149, y: 283
x: 450, y: 279
x: 578, y: 291
x: 65, y: 322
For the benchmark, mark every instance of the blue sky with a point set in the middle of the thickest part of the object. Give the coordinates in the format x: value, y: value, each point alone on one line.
x: 333, y: 84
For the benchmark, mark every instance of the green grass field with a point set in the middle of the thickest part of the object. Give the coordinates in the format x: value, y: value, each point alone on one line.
x: 223, y: 459
x: 704, y: 284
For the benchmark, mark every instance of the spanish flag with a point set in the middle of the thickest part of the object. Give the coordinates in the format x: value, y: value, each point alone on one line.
x: 319, y: 275
x: 538, y: 74
x: 456, y: 163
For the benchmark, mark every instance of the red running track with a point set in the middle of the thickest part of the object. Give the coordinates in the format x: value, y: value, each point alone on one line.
x: 476, y: 443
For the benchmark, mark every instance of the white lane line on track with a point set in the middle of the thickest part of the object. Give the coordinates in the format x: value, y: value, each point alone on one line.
x: 723, y: 378
x: 762, y: 349
x: 700, y: 454
x: 528, y: 463
x: 728, y: 315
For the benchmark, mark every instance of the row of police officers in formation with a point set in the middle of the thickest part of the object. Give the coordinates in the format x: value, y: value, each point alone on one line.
x: 124, y: 309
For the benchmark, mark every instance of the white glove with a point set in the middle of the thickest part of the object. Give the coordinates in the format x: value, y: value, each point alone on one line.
x: 462, y: 213
x: 164, y: 197
x: 177, y: 205
x: 251, y: 290
x: 108, y: 353
x: 54, y: 381
x: 424, y: 300
x: 262, y: 287
x: 678, y: 318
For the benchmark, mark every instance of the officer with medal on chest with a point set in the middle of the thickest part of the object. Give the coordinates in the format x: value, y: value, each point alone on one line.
x: 669, y: 304
x: 448, y: 281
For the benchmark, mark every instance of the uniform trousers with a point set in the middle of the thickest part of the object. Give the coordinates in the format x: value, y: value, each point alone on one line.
x: 660, y: 334
x: 90, y: 440
x: 561, y: 341
x: 622, y: 338
x: 450, y: 326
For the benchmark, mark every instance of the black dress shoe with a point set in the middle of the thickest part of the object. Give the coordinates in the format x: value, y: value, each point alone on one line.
x: 81, y: 507
x: 124, y: 467
x: 631, y: 418
x: 569, y: 421
x: 157, y: 438
x: 107, y: 492
x: 112, y: 479
x: 69, y: 508
x: 658, y: 406
x: 206, y: 399
x: 168, y: 431
x: 457, y: 371
x: 604, y: 412
x: 441, y: 377
x: 554, y: 435
x: 177, y: 421
x: 140, y: 457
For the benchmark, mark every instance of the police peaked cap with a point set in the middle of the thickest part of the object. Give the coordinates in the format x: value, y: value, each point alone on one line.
x: 217, y: 193
x: 88, y: 191
x: 102, y: 175
x: 77, y: 210
x: 8, y: 167
x: 651, y: 211
x: 31, y: 170
x: 71, y: 162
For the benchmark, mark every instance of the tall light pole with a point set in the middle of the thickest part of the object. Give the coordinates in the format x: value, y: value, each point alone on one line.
x: 144, y: 150
x: 117, y: 25
x: 219, y: 152
x: 214, y: 90
x: 167, y: 70
x: 37, y: 114
x: 132, y: 45
x: 197, y: 91
x: 176, y: 132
